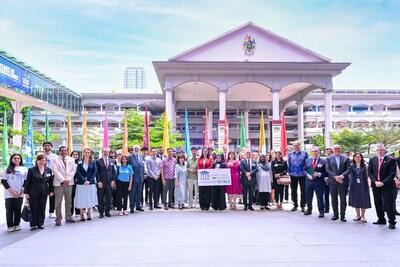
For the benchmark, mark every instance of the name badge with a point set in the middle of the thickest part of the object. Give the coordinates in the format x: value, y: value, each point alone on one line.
x: 48, y: 175
x: 358, y: 181
x: 319, y: 165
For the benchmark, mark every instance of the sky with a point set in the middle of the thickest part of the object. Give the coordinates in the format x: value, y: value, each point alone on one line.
x: 87, y: 44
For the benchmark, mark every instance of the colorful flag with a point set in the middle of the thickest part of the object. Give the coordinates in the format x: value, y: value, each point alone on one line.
x: 262, y: 134
x: 47, y: 131
x: 125, y: 136
x: 242, y: 133
x: 70, y: 146
x: 206, y: 135
x: 146, y: 136
x: 187, y: 135
x: 29, y: 150
x: 105, y: 132
x: 84, y: 131
x: 283, y: 134
x: 5, y: 140
x: 166, y: 134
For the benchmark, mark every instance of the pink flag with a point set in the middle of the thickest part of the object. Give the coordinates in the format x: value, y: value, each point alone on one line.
x: 105, y: 134
x: 146, y: 137
x: 283, y: 134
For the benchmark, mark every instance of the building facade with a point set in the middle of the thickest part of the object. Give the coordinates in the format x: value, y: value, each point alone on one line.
x: 134, y: 78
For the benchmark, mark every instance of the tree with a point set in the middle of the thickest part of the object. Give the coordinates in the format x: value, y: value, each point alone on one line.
x: 349, y: 140
x: 383, y: 135
x: 136, y: 132
x: 319, y: 141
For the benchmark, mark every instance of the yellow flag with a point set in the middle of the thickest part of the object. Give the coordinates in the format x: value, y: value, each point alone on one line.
x: 84, y: 131
x: 69, y: 134
x: 165, y: 134
x: 125, y: 135
x: 262, y: 134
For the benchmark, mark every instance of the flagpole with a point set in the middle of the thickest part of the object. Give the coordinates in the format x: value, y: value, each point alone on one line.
x: 69, y: 134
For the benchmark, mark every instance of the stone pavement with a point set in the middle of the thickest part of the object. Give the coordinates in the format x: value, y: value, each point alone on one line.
x: 195, y: 238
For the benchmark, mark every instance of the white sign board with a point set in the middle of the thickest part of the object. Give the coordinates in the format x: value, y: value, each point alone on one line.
x: 276, y: 137
x: 208, y: 177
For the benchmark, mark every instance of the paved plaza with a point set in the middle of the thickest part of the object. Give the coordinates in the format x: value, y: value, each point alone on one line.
x: 195, y: 238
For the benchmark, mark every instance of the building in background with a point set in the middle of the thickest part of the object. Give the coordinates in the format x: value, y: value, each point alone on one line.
x: 134, y: 78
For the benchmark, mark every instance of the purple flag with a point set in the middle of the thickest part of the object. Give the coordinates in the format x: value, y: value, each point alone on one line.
x: 105, y: 135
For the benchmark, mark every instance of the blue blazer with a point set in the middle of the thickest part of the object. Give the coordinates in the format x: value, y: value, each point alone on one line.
x: 138, y: 167
x: 90, y: 175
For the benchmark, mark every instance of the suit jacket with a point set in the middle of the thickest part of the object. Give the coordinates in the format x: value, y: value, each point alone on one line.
x: 244, y: 167
x: 36, y: 184
x: 138, y: 167
x: 82, y: 175
x: 104, y: 174
x: 387, y: 171
x: 319, y: 167
x: 332, y: 169
x: 201, y: 164
x: 62, y: 172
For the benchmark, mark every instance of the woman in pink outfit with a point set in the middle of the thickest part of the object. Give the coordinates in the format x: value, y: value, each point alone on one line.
x: 235, y: 188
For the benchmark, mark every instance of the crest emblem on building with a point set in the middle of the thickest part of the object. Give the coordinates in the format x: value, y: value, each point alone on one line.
x: 249, y: 45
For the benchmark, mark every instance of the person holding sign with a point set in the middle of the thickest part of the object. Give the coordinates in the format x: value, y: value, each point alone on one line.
x: 218, y: 191
x: 248, y: 169
x: 235, y: 188
x: 204, y: 162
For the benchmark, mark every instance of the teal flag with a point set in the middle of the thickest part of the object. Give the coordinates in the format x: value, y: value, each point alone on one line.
x: 5, y: 141
x: 242, y: 133
x: 187, y: 135
x: 29, y: 150
x: 47, y: 133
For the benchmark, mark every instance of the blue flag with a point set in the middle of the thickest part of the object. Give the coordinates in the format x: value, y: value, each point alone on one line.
x: 29, y: 151
x: 187, y: 135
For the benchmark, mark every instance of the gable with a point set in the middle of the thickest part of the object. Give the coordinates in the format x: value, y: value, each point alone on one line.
x: 269, y: 47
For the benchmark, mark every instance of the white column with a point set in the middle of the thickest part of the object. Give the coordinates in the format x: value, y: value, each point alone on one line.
x: 168, y: 103
x: 17, y: 123
x: 210, y: 124
x: 246, y: 127
x: 328, y: 116
x: 275, y: 104
x: 222, y: 104
x: 300, y: 121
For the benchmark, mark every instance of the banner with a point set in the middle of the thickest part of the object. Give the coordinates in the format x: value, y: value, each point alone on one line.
x: 29, y: 150
x: 5, y: 140
x: 208, y: 177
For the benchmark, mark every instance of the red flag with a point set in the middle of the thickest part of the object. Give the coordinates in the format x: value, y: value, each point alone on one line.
x: 283, y: 134
x: 146, y: 137
x: 206, y: 140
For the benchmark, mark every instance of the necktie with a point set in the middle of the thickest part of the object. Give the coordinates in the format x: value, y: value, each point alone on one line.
x: 314, y: 163
x: 65, y: 163
x: 106, y: 162
x: 379, y: 168
x: 248, y: 162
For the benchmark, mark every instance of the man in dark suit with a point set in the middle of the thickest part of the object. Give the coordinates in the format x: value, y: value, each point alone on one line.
x: 315, y: 181
x: 248, y: 171
x: 338, y: 168
x: 105, y: 178
x: 382, y: 171
x: 396, y: 188
x: 137, y: 163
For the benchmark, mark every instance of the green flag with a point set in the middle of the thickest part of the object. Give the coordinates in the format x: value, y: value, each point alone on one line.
x: 242, y: 133
x: 5, y: 140
x: 47, y: 133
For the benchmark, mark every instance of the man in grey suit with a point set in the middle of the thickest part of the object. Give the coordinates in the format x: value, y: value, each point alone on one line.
x: 338, y: 169
x: 137, y: 163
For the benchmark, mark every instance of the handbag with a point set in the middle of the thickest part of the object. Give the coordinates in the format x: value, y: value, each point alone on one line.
x: 26, y: 214
x: 284, y: 179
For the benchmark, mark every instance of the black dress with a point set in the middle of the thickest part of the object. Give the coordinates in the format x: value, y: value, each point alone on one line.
x: 359, y: 188
x: 218, y: 201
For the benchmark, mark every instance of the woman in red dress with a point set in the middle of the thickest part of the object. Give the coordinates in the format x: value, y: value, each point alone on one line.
x: 204, y: 162
x: 235, y: 188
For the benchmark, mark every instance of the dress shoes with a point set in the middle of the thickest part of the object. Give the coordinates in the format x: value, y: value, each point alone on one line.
x: 251, y: 208
x: 397, y: 213
x: 343, y: 219
x: 392, y: 226
x: 335, y: 217
x: 321, y: 215
x: 132, y: 211
x: 303, y: 210
x: 108, y: 215
x: 40, y: 227
x: 294, y: 208
x: 139, y: 209
x: 245, y: 208
x: 157, y: 207
x: 379, y: 222
x: 101, y: 216
x: 150, y: 208
x: 58, y: 222
x: 308, y: 212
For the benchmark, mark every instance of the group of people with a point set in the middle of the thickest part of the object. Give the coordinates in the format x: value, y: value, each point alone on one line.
x: 146, y: 178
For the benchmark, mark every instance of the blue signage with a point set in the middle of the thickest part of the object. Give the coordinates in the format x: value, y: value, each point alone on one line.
x: 20, y: 79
